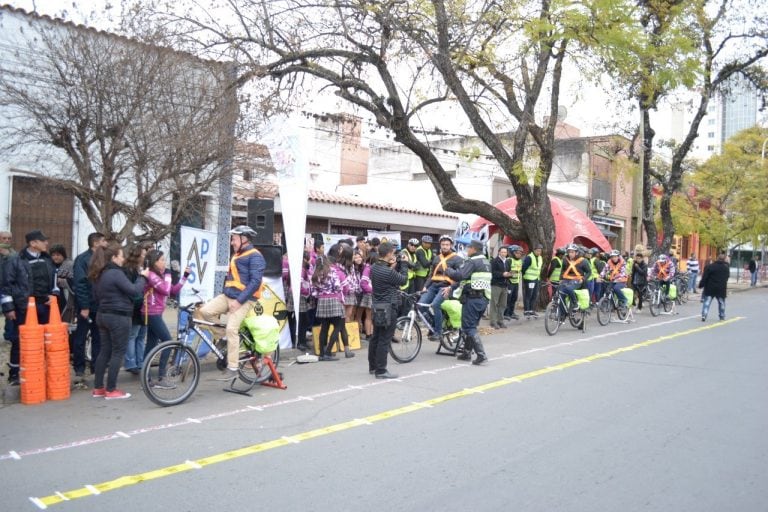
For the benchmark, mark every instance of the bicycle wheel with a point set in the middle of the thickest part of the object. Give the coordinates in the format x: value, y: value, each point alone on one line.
x: 406, y: 342
x: 552, y: 319
x: 655, y: 305
x: 250, y: 367
x: 622, y: 312
x: 604, y: 308
x: 170, y: 373
x: 668, y: 305
x: 451, y: 340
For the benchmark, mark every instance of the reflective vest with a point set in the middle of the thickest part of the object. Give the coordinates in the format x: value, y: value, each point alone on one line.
x: 235, y: 281
x: 515, y: 266
x: 478, y: 280
x: 422, y: 271
x: 441, y: 267
x: 411, y: 273
x: 592, y: 275
x: 663, y: 272
x: 614, y: 271
x: 555, y: 277
x: 533, y: 271
x: 571, y: 271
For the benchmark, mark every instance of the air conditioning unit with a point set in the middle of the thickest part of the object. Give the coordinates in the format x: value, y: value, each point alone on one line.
x: 599, y: 205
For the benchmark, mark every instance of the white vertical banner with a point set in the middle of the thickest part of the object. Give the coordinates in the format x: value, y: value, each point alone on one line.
x: 287, y: 145
x: 198, y: 252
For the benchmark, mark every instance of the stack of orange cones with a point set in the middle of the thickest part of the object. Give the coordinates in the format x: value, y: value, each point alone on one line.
x: 56, y: 355
x: 32, y: 357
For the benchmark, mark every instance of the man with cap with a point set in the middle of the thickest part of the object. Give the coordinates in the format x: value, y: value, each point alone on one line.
x: 29, y: 273
x: 531, y: 275
x: 424, y: 258
x: 514, y: 275
x: 474, y: 290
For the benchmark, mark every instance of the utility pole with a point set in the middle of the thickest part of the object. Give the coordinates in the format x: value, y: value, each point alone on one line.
x: 637, y: 188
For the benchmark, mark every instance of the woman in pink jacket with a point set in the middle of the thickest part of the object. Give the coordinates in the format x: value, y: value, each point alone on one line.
x: 156, y: 292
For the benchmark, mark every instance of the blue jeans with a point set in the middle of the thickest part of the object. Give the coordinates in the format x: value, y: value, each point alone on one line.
x: 78, y: 341
x: 753, y: 279
x: 720, y: 307
x: 434, y: 297
x: 134, y: 352
x: 568, y: 287
x: 692, y: 282
x: 617, y: 287
x: 157, y: 332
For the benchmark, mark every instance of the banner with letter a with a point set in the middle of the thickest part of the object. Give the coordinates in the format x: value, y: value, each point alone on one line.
x: 198, y: 252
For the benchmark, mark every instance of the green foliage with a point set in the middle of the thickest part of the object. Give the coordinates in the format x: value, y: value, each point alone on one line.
x: 726, y: 201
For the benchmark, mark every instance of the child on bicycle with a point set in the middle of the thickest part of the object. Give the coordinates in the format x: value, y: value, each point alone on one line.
x: 614, y: 274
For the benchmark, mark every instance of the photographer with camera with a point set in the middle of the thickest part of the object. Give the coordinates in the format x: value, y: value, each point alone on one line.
x: 387, y: 276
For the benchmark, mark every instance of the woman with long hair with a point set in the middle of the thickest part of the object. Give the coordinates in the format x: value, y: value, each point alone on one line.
x: 330, y: 285
x: 156, y: 292
x: 114, y: 293
x: 134, y: 352
x: 363, y: 313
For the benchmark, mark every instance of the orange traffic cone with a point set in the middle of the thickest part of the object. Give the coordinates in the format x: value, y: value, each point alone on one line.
x: 32, y: 357
x: 31, y: 313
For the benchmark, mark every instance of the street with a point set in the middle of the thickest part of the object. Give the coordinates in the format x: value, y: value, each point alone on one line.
x: 666, y: 413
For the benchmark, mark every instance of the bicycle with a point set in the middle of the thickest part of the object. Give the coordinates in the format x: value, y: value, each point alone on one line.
x: 681, y: 283
x: 609, y: 303
x: 659, y: 299
x: 553, y: 318
x: 171, y: 371
x: 407, y: 340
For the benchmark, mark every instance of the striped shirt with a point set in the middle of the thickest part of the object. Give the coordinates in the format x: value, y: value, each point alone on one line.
x: 386, y: 281
x: 693, y: 265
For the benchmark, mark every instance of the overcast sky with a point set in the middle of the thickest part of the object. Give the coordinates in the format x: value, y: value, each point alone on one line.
x: 586, y: 106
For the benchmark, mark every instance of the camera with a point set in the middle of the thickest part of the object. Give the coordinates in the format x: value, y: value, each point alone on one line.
x: 146, y: 262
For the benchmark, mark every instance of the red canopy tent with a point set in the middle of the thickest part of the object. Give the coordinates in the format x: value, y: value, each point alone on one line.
x: 571, y: 225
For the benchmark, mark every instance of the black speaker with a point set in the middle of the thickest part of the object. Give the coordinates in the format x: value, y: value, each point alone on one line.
x: 261, y: 217
x: 273, y: 255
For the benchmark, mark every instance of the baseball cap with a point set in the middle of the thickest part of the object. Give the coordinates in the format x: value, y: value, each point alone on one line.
x: 35, y: 235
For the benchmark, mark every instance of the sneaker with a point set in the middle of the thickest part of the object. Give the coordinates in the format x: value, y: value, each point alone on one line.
x: 116, y: 394
x: 434, y: 337
x: 162, y: 385
x: 328, y: 357
x: 534, y: 314
x: 464, y: 356
x: 133, y: 371
x: 227, y: 375
x: 703, y: 319
x: 99, y: 393
x: 514, y: 316
x: 479, y: 360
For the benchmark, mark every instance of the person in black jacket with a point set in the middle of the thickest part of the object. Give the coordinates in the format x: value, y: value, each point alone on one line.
x: 639, y: 278
x: 115, y: 294
x: 387, y: 276
x: 86, y: 308
x: 499, y: 276
x: 29, y: 273
x: 714, y: 281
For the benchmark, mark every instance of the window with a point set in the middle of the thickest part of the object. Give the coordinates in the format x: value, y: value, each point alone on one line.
x: 711, y: 135
x: 711, y: 121
x: 710, y: 148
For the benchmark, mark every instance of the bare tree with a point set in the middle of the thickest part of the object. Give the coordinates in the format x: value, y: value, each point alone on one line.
x: 129, y: 128
x: 499, y: 62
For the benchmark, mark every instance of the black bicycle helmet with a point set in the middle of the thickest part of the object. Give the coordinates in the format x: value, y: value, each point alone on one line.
x: 426, y: 239
x: 572, y: 247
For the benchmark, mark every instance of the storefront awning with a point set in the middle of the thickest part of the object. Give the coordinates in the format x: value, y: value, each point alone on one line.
x: 607, y: 233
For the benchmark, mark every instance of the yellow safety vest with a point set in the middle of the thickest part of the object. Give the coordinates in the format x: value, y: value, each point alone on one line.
x: 533, y: 272
x: 411, y: 272
x: 515, y: 266
x: 555, y: 277
x: 235, y: 281
x: 423, y: 271
x: 443, y: 264
x: 572, y: 272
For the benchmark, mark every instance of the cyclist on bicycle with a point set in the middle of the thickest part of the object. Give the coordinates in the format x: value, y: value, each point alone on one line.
x: 438, y: 286
x: 243, y: 285
x: 576, y: 271
x: 664, y: 271
x: 615, y: 275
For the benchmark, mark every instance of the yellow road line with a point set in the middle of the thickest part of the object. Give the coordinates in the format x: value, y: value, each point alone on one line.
x: 124, y: 481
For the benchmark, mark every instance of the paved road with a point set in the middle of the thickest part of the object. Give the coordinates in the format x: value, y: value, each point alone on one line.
x: 663, y: 414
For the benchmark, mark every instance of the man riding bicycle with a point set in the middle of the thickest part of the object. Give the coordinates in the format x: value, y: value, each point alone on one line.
x: 242, y: 287
x: 576, y: 271
x: 664, y: 271
x: 615, y: 275
x: 438, y: 286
